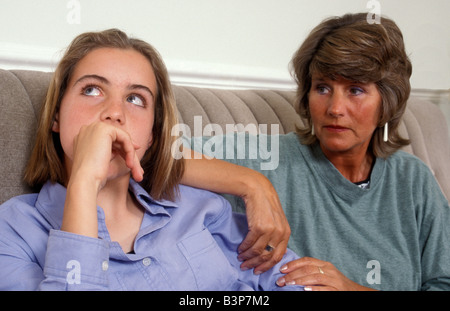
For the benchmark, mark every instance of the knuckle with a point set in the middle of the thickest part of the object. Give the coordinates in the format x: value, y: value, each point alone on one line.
x: 255, y: 252
x: 328, y: 264
x: 287, y: 231
x: 266, y: 257
x: 307, y: 260
x: 277, y: 258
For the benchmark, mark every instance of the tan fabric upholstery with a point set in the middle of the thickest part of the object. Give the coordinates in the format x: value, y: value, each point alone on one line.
x: 22, y: 93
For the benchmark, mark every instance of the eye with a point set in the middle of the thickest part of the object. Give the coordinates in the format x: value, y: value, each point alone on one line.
x: 136, y: 100
x: 322, y: 89
x: 91, y: 90
x: 356, y: 91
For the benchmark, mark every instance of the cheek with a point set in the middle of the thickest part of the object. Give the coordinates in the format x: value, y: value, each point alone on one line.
x: 316, y: 110
x: 370, y: 115
x: 142, y: 135
x: 70, y: 122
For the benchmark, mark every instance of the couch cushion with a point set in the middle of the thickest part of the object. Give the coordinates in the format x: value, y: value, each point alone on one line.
x: 19, y: 101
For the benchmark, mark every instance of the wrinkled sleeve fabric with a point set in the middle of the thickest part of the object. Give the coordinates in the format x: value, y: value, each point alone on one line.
x: 75, y: 262
x: 229, y: 229
x: 72, y: 262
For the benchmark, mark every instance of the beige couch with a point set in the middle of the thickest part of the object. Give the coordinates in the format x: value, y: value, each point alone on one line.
x: 22, y: 92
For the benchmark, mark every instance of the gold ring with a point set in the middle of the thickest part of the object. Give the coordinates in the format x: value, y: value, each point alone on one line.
x: 320, y: 270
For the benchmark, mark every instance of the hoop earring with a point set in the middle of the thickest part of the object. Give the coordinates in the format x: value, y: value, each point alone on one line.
x: 385, y: 132
x: 312, y: 129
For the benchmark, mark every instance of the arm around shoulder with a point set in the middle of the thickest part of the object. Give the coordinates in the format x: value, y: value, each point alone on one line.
x: 266, y: 219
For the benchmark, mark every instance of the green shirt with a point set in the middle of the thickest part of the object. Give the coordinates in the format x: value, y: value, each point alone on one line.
x: 392, y: 236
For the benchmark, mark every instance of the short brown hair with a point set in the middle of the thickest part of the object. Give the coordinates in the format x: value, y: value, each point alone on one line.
x: 351, y: 48
x: 162, y: 172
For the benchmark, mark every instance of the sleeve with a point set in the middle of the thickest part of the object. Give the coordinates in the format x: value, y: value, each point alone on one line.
x: 75, y: 262
x: 434, y: 237
x: 70, y: 262
x: 17, y: 271
x: 257, y: 152
x: 229, y: 230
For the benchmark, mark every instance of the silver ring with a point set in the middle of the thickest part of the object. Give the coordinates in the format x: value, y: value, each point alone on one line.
x: 269, y: 248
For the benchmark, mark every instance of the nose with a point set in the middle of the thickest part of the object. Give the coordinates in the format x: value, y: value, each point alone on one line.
x: 336, y: 104
x: 113, y: 111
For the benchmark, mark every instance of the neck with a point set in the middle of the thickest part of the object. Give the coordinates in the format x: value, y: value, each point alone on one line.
x: 123, y: 215
x: 354, y: 166
x: 114, y: 193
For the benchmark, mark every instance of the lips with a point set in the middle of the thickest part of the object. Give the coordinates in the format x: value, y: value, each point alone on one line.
x: 335, y: 128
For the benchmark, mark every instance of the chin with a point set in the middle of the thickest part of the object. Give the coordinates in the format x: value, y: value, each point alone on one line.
x: 335, y: 146
x: 118, y: 170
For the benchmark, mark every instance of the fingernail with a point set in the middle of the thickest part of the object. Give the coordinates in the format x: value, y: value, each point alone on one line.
x: 290, y: 283
x: 283, y: 268
x: 257, y: 272
x: 308, y: 289
x: 281, y: 282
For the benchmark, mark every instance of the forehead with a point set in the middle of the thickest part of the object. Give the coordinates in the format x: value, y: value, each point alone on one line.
x: 119, y: 66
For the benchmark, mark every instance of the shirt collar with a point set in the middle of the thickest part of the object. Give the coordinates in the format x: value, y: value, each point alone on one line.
x: 51, y: 198
x: 146, y: 200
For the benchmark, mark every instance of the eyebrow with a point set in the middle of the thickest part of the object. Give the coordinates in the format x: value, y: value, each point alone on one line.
x: 106, y: 81
x: 141, y: 87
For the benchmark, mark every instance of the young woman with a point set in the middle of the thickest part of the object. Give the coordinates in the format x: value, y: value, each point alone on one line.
x: 110, y: 214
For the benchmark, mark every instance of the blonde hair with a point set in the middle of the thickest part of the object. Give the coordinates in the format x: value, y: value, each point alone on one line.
x: 351, y: 48
x: 162, y: 171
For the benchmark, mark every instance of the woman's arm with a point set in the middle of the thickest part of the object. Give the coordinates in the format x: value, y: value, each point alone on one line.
x: 266, y: 219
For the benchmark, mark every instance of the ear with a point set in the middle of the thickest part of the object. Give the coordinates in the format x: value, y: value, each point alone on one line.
x: 55, y: 124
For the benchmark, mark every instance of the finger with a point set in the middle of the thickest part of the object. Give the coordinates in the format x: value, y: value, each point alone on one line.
x: 255, y: 255
x: 306, y: 280
x: 123, y: 143
x: 127, y: 149
x: 249, y: 241
x: 264, y: 261
x: 256, y: 249
x: 277, y: 255
x: 137, y: 172
x: 302, y: 262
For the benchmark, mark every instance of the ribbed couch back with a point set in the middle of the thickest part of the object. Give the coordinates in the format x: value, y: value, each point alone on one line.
x: 22, y: 93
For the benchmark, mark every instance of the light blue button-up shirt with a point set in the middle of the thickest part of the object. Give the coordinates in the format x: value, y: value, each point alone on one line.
x: 189, y: 244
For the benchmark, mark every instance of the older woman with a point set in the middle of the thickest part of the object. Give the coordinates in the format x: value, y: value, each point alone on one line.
x: 362, y: 213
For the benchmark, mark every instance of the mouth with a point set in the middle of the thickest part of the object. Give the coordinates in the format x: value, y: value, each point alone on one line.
x: 335, y: 128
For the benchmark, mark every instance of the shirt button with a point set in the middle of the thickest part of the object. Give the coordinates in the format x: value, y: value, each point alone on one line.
x: 105, y: 265
x: 146, y: 261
